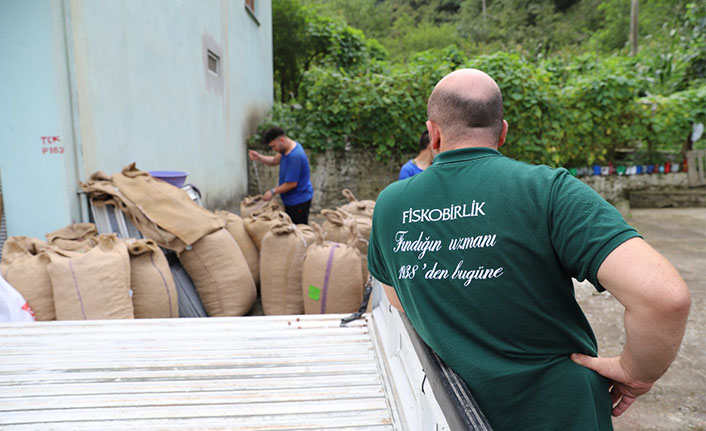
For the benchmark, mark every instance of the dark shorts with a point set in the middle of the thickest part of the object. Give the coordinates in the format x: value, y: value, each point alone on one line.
x: 299, y: 213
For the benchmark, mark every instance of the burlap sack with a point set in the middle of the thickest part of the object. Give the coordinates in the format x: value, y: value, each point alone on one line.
x: 236, y: 227
x: 331, y: 278
x: 154, y: 293
x: 91, y: 285
x: 337, y: 222
x: 363, y: 226
x: 356, y: 207
x: 253, y: 204
x: 343, y: 227
x: 221, y: 274
x: 23, y: 268
x: 308, y: 233
x: 74, y: 237
x: 167, y: 206
x: 259, y: 223
x: 283, y: 250
x: 101, y: 191
x: 336, y: 225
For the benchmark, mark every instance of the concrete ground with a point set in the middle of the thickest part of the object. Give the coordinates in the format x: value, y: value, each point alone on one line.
x: 678, y: 399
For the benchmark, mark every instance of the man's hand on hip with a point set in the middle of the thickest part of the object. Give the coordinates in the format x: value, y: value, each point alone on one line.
x: 624, y: 389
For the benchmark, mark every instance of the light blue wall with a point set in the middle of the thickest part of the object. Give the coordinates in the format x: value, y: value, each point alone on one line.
x: 39, y: 190
x: 145, y: 94
x: 142, y: 92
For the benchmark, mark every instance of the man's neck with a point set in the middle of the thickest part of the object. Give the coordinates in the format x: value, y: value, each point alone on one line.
x: 289, y: 147
x: 424, y: 159
x: 466, y: 144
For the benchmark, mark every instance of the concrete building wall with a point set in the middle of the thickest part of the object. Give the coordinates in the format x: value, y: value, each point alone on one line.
x: 126, y: 81
x: 145, y: 93
x: 37, y: 158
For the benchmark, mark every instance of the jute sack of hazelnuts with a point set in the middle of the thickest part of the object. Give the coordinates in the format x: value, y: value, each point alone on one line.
x: 356, y: 207
x: 91, y: 285
x: 154, y: 293
x: 74, y: 237
x: 281, y: 261
x: 253, y: 204
x: 343, y: 227
x: 236, y: 227
x: 332, y: 281
x: 259, y: 223
x: 26, y: 271
x: 220, y: 274
x: 308, y: 232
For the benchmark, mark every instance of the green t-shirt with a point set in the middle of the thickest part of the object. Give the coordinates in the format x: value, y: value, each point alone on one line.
x: 481, y: 250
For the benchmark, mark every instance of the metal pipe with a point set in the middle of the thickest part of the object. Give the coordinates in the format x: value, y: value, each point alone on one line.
x: 75, y: 118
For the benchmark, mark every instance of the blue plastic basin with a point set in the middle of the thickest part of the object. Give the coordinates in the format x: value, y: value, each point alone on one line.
x: 175, y: 178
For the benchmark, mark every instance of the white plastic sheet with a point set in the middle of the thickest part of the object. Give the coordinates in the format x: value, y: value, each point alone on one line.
x: 13, y: 307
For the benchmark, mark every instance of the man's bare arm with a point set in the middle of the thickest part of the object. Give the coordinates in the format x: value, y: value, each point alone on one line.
x: 282, y: 188
x: 392, y: 297
x: 268, y: 160
x: 657, y: 303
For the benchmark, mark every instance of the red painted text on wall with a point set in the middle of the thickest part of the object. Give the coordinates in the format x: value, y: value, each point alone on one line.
x: 53, y: 149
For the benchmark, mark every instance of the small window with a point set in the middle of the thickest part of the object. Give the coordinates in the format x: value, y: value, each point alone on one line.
x: 214, y: 62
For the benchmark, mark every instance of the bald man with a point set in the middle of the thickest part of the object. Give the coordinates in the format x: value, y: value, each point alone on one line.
x: 479, y: 251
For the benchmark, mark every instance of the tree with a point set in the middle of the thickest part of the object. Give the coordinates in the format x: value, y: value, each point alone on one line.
x: 290, y: 46
x: 302, y: 39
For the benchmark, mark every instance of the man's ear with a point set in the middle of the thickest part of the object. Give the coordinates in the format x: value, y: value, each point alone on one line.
x: 503, y: 134
x: 434, y: 135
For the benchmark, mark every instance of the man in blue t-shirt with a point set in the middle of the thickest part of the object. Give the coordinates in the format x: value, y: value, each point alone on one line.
x: 294, y: 182
x: 421, y: 162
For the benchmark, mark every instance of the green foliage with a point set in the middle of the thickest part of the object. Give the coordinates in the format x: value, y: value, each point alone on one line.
x: 340, y: 46
x: 528, y: 102
x: 668, y: 119
x: 289, y: 45
x: 406, y: 36
x: 382, y: 110
x: 576, y: 108
x: 695, y: 41
x: 303, y: 39
x: 600, y: 116
x: 374, y: 18
x: 613, y: 34
x: 537, y: 28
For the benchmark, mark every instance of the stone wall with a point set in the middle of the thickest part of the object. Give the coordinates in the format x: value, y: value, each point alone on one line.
x: 358, y: 171
x: 613, y: 187
x: 331, y: 172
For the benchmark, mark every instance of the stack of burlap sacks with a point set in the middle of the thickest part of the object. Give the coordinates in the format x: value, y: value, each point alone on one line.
x: 311, y: 269
x: 209, y: 253
x: 78, y: 274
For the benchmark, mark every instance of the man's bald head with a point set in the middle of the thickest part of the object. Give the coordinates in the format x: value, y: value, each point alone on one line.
x: 467, y: 104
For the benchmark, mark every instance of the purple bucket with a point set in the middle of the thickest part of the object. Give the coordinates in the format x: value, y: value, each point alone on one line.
x: 175, y: 178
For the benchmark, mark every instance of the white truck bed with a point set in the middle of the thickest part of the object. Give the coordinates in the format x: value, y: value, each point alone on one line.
x: 237, y: 373
x: 244, y: 373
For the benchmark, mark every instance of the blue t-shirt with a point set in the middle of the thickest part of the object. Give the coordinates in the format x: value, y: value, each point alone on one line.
x: 294, y: 168
x: 409, y: 169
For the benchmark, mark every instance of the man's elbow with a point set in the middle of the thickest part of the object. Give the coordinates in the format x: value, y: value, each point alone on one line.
x: 674, y: 304
x: 679, y: 303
